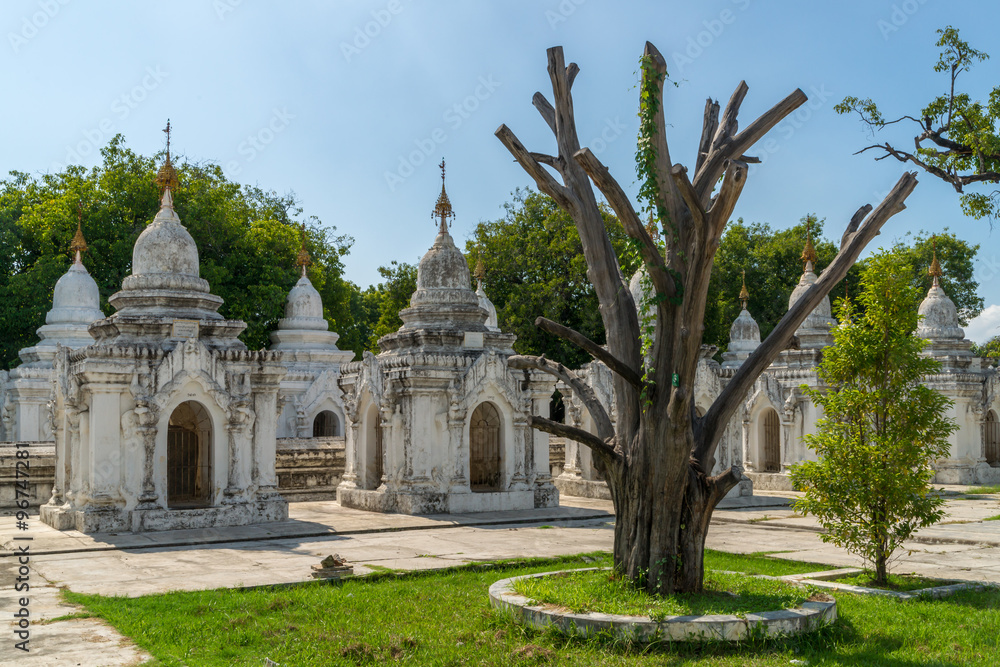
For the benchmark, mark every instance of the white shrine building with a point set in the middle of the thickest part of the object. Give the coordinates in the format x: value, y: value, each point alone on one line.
x: 437, y: 421
x: 165, y: 420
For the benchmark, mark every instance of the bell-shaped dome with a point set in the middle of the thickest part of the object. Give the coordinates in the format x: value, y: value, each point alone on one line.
x: 939, y: 316
x: 814, y: 332
x: 444, y: 298
x: 744, y: 338
x: 164, y: 280
x: 76, y: 298
x: 442, y: 267
x: 304, y: 308
x: 75, y: 304
x: 165, y: 246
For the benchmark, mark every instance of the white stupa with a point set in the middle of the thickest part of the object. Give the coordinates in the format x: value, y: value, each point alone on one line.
x: 75, y: 304
x: 744, y: 335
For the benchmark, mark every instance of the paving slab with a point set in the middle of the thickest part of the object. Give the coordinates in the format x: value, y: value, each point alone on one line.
x: 966, y: 548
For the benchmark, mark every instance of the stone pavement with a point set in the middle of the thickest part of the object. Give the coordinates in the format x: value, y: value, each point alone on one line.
x: 963, y: 547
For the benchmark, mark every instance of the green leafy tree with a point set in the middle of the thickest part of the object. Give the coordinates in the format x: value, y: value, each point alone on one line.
x: 957, y: 138
x: 385, y: 300
x: 771, y: 261
x: 535, y: 267
x: 882, y: 428
x: 990, y: 350
x: 247, y: 240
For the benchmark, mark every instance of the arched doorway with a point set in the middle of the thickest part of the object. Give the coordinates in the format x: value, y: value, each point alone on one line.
x: 485, y: 454
x: 992, y: 435
x: 770, y: 441
x: 325, y: 425
x: 189, y: 448
x: 374, y: 450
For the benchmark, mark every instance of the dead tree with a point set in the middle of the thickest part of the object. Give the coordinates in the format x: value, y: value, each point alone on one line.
x: 657, y: 454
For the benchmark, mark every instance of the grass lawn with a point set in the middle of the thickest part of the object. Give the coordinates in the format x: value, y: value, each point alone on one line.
x: 981, y: 490
x: 605, y: 591
x: 900, y: 582
x: 444, y: 618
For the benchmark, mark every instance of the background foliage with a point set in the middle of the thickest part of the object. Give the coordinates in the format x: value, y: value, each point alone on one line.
x: 247, y: 239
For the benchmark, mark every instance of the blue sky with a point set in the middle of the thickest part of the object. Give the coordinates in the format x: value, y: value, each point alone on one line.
x: 351, y: 105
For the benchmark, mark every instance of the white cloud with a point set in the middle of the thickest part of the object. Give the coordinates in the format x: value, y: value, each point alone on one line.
x: 985, y: 326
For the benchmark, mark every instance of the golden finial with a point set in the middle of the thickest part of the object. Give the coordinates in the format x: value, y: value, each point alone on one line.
x: 744, y: 294
x: 443, y: 208
x: 809, y: 252
x: 166, y: 177
x: 303, y: 258
x: 935, y: 270
x: 480, y: 269
x: 78, y: 244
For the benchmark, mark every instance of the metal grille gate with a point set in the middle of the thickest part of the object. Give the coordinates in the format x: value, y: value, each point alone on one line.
x: 484, y: 449
x: 325, y: 425
x: 186, y: 468
x: 992, y: 433
x: 772, y: 442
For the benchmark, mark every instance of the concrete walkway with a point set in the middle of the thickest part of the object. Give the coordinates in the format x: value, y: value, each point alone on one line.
x: 964, y: 546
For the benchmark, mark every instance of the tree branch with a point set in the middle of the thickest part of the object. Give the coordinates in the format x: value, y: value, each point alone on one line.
x: 690, y: 197
x: 725, y: 201
x: 545, y: 109
x: 660, y: 147
x: 605, y: 430
x: 728, y: 124
x: 663, y: 283
x: 578, y: 434
x: 591, y: 348
x: 543, y: 179
x: 709, y: 123
x: 721, y: 484
x: 716, y: 419
x: 706, y: 177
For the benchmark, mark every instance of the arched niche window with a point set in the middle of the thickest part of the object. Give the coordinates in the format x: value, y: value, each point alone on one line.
x: 374, y: 450
x: 992, y: 435
x: 189, y: 449
x: 485, y: 448
x: 325, y: 425
x: 770, y: 440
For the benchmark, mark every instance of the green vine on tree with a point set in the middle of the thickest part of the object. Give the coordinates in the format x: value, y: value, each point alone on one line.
x: 645, y: 162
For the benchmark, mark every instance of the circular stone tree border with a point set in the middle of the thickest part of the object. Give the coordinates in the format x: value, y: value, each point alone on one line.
x: 720, y: 627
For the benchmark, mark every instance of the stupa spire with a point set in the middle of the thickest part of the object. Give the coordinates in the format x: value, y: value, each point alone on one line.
x: 443, y: 210
x: 809, y: 252
x: 166, y: 177
x: 78, y: 244
x: 303, y: 259
x: 744, y: 294
x: 935, y: 268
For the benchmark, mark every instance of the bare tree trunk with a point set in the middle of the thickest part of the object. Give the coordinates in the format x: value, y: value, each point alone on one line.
x: 658, y: 455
